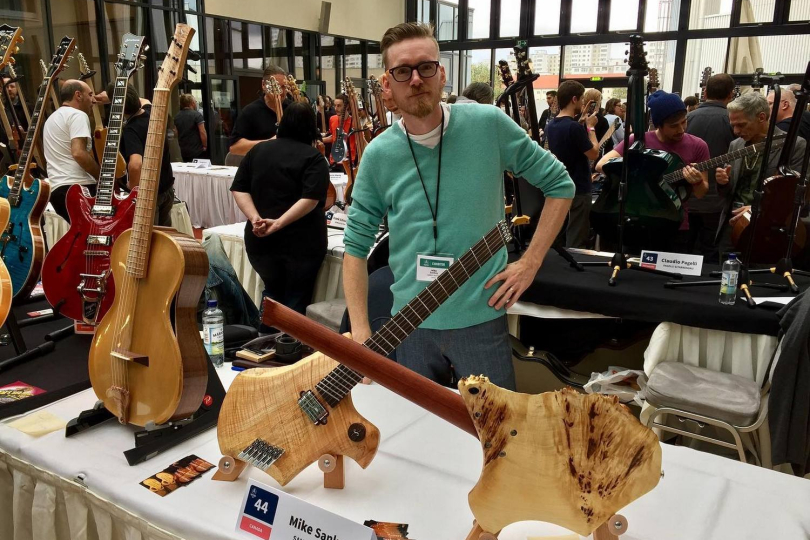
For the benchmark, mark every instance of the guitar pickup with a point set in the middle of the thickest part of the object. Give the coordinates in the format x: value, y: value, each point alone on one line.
x: 102, y: 210
x: 313, y: 408
x: 261, y: 454
x: 97, y: 240
x: 129, y: 356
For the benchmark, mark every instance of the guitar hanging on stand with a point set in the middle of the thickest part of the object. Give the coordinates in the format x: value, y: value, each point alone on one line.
x: 76, y: 275
x: 652, y: 87
x: 359, y: 134
x: 704, y: 80
x: 382, y: 114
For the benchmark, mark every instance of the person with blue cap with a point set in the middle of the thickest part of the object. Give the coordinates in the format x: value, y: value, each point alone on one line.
x: 668, y: 114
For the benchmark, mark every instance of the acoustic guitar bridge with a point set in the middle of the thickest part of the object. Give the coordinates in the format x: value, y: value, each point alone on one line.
x: 129, y: 356
x: 313, y: 408
x: 261, y: 454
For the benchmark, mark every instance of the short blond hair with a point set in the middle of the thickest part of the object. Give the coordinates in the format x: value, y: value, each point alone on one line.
x: 403, y: 32
x: 186, y: 100
x: 592, y: 95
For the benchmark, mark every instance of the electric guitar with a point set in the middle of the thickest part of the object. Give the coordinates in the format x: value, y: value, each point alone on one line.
x: 756, y: 82
x: 339, y: 145
x: 652, y: 87
x: 283, y: 419
x: 295, y: 91
x: 382, y: 117
x: 22, y: 244
x: 10, y: 37
x: 704, y: 79
x: 147, y: 362
x: 100, y: 132
x: 76, y: 275
x: 52, y: 91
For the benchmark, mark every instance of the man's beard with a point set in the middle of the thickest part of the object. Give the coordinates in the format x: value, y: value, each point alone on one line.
x: 423, y: 105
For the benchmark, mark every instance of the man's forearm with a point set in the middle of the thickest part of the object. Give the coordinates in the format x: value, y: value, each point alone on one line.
x: 243, y: 146
x: 355, y: 287
x: 245, y: 203
x: 86, y: 161
x: 551, y: 221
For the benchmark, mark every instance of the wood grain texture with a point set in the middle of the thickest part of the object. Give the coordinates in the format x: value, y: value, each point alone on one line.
x: 562, y: 457
x: 6, y: 292
x: 24, y: 251
x: 263, y: 404
x: 172, y: 386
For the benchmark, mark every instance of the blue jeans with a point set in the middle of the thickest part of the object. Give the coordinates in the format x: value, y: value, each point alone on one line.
x: 449, y: 355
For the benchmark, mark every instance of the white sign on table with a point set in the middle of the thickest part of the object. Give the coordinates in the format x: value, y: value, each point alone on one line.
x: 689, y: 265
x: 336, y: 220
x: 270, y: 513
x: 338, y: 178
x: 202, y: 163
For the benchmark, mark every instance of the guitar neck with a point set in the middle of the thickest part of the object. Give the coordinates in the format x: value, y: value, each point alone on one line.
x: 720, y: 160
x: 138, y: 256
x: 106, y: 180
x: 34, y: 129
x: 335, y: 386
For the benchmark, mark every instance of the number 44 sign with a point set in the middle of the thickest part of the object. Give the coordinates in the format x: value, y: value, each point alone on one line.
x: 270, y: 513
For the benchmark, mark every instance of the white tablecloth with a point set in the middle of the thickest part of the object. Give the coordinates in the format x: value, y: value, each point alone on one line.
x: 328, y: 286
x: 207, y: 193
x: 420, y: 476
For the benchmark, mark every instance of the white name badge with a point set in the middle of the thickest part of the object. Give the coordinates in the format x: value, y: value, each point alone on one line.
x: 202, y: 163
x: 689, y: 265
x: 429, y: 267
x: 267, y: 513
x: 339, y: 179
x: 336, y: 220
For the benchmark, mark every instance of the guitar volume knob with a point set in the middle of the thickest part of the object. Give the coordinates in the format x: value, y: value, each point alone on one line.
x: 357, y: 432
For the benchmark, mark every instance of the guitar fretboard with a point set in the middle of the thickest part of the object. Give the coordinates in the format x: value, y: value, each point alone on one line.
x: 106, y: 180
x: 33, y: 132
x: 725, y: 158
x: 340, y: 381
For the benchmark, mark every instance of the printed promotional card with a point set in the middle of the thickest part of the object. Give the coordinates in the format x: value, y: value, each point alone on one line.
x: 178, y: 474
x: 270, y: 513
x: 18, y: 390
x: 388, y: 531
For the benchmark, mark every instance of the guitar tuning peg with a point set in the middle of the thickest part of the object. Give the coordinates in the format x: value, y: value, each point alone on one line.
x: 145, y: 48
x: 142, y: 57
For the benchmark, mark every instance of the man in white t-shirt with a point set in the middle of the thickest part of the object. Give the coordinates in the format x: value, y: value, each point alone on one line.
x: 68, y: 144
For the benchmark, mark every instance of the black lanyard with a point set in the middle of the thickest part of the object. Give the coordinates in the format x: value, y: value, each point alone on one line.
x: 434, y: 213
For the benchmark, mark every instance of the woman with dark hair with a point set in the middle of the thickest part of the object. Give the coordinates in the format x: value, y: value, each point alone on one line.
x: 281, y: 187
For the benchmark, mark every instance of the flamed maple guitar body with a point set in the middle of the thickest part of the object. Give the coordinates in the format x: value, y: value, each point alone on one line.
x: 162, y: 321
x: 72, y: 255
x: 21, y: 243
x: 263, y: 403
x: 5, y: 278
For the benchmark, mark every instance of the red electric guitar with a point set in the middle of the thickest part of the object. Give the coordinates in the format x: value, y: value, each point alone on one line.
x: 76, y: 275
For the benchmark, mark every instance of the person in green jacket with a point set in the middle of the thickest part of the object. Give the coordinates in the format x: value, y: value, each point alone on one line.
x: 438, y: 176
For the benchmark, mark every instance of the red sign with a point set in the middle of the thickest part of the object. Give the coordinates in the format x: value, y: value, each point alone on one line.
x: 255, y: 528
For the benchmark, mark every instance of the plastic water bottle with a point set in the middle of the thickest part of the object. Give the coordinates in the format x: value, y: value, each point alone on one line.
x: 728, y: 283
x: 213, y: 333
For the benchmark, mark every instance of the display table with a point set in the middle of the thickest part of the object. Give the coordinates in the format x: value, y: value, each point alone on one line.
x: 208, y: 193
x: 420, y: 476
x: 328, y: 286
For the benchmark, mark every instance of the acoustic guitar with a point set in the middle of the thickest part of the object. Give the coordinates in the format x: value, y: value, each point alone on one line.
x: 10, y: 37
x: 76, y: 275
x: 21, y: 243
x: 281, y: 420
x: 704, y: 80
x: 147, y: 362
x: 561, y: 457
x: 100, y: 132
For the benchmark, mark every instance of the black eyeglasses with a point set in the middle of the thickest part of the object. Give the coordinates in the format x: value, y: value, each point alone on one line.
x: 404, y: 73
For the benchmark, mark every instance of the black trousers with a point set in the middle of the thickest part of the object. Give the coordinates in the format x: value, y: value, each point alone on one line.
x: 58, y: 195
x: 289, y: 278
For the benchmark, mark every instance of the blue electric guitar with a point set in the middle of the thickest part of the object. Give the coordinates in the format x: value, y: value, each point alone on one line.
x: 21, y: 245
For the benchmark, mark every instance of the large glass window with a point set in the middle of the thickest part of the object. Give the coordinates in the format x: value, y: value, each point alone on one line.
x: 448, y: 20
x: 120, y: 20
x: 478, y: 18
x: 354, y: 60
x: 661, y: 56
x: 78, y: 19
x: 585, y: 61
x: 329, y: 72
x: 546, y: 63
x: 662, y: 15
x: 218, y: 45
x: 510, y: 18
x: 800, y: 10
x: 301, y: 55
x: 547, y: 18
x: 787, y: 54
x: 423, y: 11
x: 623, y: 15
x: 248, y: 52
x: 700, y: 54
x: 584, y: 14
x: 275, y: 41
x: 756, y: 11
x: 709, y: 14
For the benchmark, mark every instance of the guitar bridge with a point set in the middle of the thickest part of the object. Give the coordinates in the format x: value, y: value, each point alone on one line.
x: 313, y: 408
x: 261, y: 454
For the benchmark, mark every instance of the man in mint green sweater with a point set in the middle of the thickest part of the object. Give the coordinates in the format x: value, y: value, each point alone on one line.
x: 438, y: 175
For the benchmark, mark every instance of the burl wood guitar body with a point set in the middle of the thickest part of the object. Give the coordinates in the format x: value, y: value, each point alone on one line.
x: 263, y: 403
x: 160, y: 318
x: 562, y: 457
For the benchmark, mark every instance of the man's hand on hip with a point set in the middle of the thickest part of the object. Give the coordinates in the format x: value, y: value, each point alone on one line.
x: 515, y: 279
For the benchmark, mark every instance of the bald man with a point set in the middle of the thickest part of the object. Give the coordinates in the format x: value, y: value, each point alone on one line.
x: 68, y: 142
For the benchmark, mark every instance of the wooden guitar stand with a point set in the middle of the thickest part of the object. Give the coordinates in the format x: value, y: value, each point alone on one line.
x: 609, y: 530
x: 332, y: 467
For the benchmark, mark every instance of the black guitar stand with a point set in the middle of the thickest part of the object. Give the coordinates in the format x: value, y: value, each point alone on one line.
x: 635, y: 117
x: 25, y: 354
x: 744, y: 279
x: 154, y: 440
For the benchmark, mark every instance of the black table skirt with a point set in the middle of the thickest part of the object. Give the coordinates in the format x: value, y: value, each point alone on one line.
x: 641, y: 296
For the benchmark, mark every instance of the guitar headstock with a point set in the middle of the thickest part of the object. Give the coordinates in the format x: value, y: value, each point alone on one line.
x: 737, y: 91
x: 636, y: 55
x: 272, y: 87
x: 171, y: 70
x: 10, y: 38
x: 131, y: 56
x: 522, y: 59
x: 756, y: 80
x: 61, y: 57
x: 506, y: 73
x: 374, y: 86
x: 293, y: 87
x: 83, y: 67
x: 349, y: 86
x: 506, y: 234
x: 653, y: 84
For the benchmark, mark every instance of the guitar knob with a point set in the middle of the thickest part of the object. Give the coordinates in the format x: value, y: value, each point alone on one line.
x: 357, y: 432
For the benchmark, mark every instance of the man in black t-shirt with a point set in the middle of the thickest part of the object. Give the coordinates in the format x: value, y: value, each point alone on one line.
x: 133, y: 144
x: 258, y: 121
x: 191, y: 134
x: 574, y: 143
